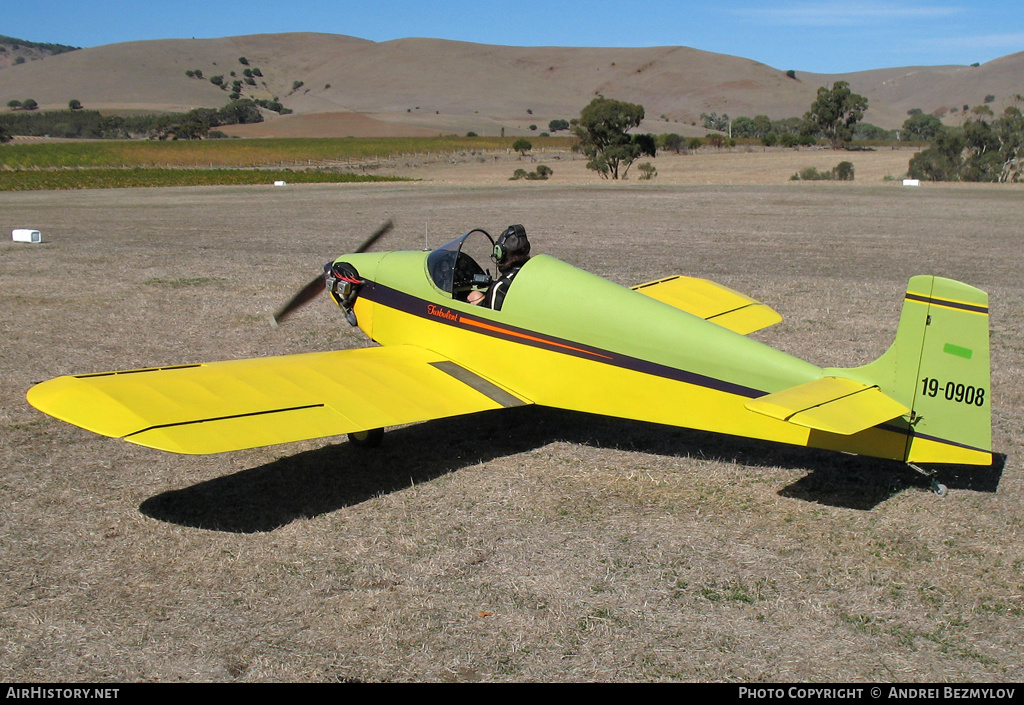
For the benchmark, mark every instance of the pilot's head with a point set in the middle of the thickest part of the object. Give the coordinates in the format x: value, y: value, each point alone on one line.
x: 512, y: 247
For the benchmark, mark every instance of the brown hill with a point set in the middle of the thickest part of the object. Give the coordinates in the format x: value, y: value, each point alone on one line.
x: 17, y: 51
x: 351, y: 86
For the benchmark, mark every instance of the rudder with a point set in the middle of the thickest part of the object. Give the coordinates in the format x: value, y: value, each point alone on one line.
x: 938, y: 366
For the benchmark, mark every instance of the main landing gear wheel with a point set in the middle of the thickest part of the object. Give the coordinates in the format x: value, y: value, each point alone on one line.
x: 367, y: 439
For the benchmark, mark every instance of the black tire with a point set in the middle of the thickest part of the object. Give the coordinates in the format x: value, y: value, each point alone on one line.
x: 367, y: 439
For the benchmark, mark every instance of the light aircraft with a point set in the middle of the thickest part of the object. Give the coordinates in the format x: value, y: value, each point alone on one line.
x: 673, y: 351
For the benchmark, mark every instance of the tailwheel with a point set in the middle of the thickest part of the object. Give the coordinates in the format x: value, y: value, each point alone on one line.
x: 937, y: 487
x: 367, y: 439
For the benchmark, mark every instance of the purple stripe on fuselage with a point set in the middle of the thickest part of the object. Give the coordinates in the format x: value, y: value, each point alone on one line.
x: 406, y: 303
x: 415, y: 306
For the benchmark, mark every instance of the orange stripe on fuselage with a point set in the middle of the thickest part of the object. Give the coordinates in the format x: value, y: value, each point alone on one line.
x: 516, y: 334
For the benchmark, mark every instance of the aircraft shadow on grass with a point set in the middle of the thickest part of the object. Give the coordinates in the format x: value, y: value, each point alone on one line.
x: 321, y: 481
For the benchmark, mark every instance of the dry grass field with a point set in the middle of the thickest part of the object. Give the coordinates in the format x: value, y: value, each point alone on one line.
x: 533, y: 545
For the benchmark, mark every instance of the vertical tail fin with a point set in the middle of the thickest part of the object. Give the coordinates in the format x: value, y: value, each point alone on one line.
x: 938, y: 366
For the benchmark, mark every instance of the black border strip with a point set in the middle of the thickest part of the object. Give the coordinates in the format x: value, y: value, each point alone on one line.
x: 921, y: 298
x: 224, y: 418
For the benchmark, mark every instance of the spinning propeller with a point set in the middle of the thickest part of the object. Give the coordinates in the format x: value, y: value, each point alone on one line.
x: 310, y: 291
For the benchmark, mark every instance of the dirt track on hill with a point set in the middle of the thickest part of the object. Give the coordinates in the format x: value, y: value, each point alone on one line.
x: 533, y: 545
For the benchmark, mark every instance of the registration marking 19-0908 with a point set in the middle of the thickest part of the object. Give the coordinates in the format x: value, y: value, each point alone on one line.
x: 953, y: 391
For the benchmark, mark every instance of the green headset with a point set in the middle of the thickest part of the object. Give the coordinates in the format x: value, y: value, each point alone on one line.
x: 511, y: 242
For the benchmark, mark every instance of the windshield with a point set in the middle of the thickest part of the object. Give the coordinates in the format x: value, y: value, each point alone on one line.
x: 455, y: 267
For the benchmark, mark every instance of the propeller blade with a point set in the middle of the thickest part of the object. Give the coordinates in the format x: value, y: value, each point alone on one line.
x: 373, y: 238
x: 308, y: 293
x: 311, y: 290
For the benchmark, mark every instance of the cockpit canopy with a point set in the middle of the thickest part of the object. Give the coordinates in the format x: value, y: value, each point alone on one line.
x: 455, y: 267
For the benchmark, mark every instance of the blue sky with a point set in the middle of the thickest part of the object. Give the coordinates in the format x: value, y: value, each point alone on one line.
x: 826, y: 36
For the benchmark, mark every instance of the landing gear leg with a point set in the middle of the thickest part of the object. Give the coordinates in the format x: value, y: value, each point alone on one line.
x: 367, y: 439
x: 937, y: 487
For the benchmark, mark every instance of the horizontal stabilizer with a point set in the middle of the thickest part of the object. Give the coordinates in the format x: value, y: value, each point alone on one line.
x: 712, y: 302
x: 832, y: 404
x: 224, y: 406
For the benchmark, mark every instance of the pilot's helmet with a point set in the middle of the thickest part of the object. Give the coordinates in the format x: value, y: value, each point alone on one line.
x: 512, y: 245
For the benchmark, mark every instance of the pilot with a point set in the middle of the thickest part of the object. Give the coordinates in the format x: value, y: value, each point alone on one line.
x: 511, y: 252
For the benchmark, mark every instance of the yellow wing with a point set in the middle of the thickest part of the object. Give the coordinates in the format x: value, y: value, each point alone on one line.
x: 224, y: 406
x: 712, y: 302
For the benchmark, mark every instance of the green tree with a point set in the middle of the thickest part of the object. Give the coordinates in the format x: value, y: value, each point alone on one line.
x: 714, y: 121
x: 603, y: 132
x: 982, y: 151
x: 834, y: 113
x: 14, y: 104
x: 242, y: 112
x: 942, y: 161
x: 522, y: 146
x: 556, y: 125
x: 744, y: 127
x: 867, y: 131
x: 756, y: 127
x: 671, y: 142
x: 29, y: 104
x: 922, y: 127
x: 5, y: 136
x: 74, y: 104
x: 190, y: 130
